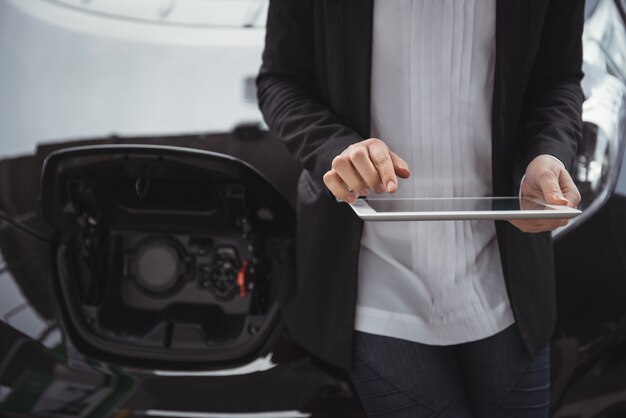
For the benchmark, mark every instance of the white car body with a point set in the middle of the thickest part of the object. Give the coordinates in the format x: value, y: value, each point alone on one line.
x: 78, y: 69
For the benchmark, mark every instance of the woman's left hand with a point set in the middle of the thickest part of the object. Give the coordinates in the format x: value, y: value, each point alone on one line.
x: 546, y: 178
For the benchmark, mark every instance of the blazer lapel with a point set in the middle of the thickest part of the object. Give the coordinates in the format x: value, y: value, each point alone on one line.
x: 349, y: 22
x: 513, y: 30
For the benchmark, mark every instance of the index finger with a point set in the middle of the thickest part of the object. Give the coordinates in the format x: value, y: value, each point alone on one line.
x: 380, y: 157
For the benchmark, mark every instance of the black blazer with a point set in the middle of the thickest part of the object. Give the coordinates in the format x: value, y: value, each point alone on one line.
x: 314, y: 92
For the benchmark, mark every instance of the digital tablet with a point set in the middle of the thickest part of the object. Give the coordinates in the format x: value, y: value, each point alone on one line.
x: 459, y: 208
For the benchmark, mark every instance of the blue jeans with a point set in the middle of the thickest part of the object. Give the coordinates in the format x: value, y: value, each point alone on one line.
x: 490, y: 378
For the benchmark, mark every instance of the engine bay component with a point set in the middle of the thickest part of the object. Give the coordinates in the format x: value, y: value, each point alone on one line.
x: 165, y: 253
x: 242, y: 279
x: 158, y: 266
x: 221, y: 278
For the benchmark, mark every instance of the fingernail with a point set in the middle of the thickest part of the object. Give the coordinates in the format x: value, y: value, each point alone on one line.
x: 391, y: 186
x: 351, y: 199
x: 364, y: 191
x: 380, y: 188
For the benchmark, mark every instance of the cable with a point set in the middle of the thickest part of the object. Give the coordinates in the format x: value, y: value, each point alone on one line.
x: 46, y: 332
x: 5, y: 217
x: 14, y: 311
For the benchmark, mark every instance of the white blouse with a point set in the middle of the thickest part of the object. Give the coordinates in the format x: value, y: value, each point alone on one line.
x: 436, y: 283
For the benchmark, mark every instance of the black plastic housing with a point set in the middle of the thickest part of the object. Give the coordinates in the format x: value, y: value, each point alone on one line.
x: 219, y: 239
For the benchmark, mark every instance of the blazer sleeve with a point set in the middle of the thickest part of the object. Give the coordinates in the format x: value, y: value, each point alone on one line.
x: 552, y: 114
x: 287, y: 94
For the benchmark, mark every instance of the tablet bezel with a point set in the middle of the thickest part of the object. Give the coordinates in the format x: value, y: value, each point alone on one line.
x: 367, y: 213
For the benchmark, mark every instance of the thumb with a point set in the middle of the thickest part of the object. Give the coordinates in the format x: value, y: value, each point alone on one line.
x: 400, y: 166
x: 551, y: 190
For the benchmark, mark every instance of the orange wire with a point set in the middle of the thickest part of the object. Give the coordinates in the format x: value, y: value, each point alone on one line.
x: 241, y: 279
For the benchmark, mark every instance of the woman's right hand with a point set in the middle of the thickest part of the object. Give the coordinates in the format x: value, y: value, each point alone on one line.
x: 366, y: 165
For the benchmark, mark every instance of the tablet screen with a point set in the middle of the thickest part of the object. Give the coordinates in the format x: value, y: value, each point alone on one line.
x: 454, y: 204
